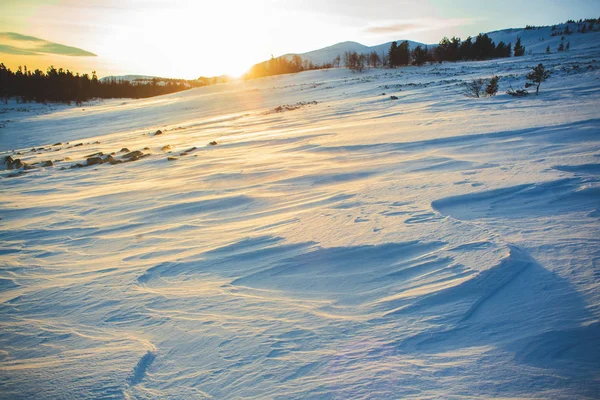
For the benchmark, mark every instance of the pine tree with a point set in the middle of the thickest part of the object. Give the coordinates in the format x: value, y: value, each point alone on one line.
x: 492, y: 87
x: 404, y: 53
x: 519, y: 49
x: 393, y: 55
x: 419, y: 55
x: 538, y: 75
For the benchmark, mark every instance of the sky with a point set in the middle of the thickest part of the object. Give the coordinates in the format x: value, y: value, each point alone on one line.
x: 192, y: 38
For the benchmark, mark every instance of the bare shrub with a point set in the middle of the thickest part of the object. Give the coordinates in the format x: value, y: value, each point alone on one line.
x: 474, y: 88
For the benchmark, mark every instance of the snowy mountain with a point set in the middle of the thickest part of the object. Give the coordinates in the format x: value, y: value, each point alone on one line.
x: 307, y: 236
x: 327, y: 54
x: 535, y: 40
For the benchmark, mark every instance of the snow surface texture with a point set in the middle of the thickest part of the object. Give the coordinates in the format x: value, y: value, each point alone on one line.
x: 434, y: 246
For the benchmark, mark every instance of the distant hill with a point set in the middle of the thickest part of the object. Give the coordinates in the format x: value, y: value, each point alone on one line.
x: 534, y: 38
x: 327, y: 54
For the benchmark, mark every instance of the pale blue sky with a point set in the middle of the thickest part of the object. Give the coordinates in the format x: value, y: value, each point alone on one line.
x: 188, y: 38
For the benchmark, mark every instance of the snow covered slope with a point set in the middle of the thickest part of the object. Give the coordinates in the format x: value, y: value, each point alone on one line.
x: 538, y: 39
x: 434, y: 246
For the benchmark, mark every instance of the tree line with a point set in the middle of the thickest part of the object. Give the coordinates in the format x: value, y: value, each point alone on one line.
x: 60, y: 85
x: 283, y: 65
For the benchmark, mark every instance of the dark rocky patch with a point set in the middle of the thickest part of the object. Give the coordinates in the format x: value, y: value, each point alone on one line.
x: 158, y: 132
x: 78, y: 144
x: 44, y: 164
x: 98, y: 154
x: 291, y: 107
x: 8, y: 161
x: 134, y: 155
x: 172, y: 158
x: 393, y: 97
x: 13, y: 163
x: 94, y: 161
x: 124, y: 150
x: 213, y: 143
x: 167, y: 148
x: 188, y: 151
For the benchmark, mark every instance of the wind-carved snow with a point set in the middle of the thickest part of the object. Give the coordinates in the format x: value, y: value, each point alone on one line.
x: 427, y: 247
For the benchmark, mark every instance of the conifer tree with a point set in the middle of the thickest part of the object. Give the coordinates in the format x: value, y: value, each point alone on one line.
x: 538, y: 75
x: 393, y: 55
x: 519, y: 48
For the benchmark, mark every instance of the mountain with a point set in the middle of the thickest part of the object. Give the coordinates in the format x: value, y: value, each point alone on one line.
x: 535, y: 39
x: 327, y: 54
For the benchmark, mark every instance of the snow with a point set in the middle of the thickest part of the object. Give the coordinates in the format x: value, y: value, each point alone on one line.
x: 434, y: 246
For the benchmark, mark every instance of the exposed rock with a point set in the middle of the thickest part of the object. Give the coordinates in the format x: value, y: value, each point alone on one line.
x: 291, y: 107
x: 109, y: 159
x: 188, y: 151
x: 98, y: 154
x: 124, y: 150
x: 167, y: 147
x: 18, y: 164
x: 158, y: 132
x: 78, y: 144
x: 8, y: 161
x: 393, y: 97
x: 134, y: 155
x: 94, y: 161
x: 146, y: 148
x: 172, y: 158
x: 48, y: 163
x: 28, y: 167
x: 213, y: 143
x: 57, y: 144
x: 67, y: 158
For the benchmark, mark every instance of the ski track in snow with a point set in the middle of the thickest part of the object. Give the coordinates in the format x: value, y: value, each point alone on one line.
x: 433, y: 246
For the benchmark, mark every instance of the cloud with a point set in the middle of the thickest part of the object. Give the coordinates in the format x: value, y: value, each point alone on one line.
x: 394, y: 28
x: 418, y: 25
x: 17, y: 44
x: 5, y: 48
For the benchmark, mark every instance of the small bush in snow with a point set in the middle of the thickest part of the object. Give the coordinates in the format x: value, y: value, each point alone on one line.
x: 492, y: 87
x: 517, y: 92
x: 538, y: 75
x: 473, y: 88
